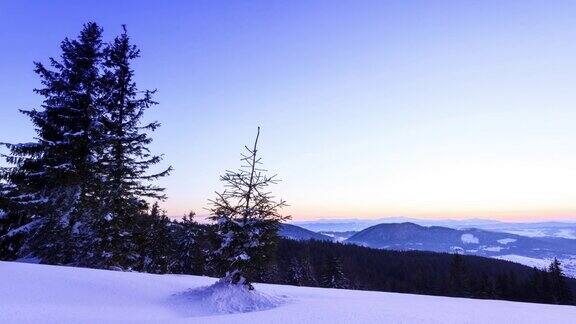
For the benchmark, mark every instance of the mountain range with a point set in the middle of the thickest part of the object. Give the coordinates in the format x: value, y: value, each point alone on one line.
x: 532, y: 251
x: 566, y: 229
x: 298, y: 233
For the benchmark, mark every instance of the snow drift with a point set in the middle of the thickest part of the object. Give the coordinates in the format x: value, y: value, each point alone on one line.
x: 221, y: 298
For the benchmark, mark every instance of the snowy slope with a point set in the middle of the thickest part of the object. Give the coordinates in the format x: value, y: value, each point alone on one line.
x: 31, y: 293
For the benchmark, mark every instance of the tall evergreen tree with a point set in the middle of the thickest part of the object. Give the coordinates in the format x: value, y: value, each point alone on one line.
x: 52, y: 181
x: 125, y: 160
x: 458, y: 284
x: 72, y: 196
x: 247, y: 218
x: 559, y: 288
x: 333, y: 274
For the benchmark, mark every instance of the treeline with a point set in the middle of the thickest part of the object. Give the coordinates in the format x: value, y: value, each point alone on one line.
x: 334, y: 265
x: 327, y: 264
x: 185, y: 247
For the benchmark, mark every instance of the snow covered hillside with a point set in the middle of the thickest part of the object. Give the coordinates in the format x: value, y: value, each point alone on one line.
x: 31, y: 293
x: 529, y: 251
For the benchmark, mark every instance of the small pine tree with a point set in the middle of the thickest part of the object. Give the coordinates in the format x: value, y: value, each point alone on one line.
x: 247, y: 220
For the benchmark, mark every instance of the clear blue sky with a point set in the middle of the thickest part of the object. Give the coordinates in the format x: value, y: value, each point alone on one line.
x: 367, y: 108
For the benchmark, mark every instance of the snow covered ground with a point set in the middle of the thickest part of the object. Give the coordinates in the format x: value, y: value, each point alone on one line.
x: 568, y: 264
x: 31, y: 293
x: 531, y: 262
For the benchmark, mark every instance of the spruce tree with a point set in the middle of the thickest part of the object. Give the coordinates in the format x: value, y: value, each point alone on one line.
x: 559, y: 288
x: 308, y: 273
x: 189, y: 255
x: 295, y: 272
x: 52, y: 181
x: 125, y: 160
x: 458, y: 277
x: 72, y: 196
x: 247, y: 219
x: 333, y: 274
x: 154, y: 241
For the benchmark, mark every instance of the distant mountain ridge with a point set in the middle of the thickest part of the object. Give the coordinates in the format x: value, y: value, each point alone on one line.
x: 410, y: 236
x: 300, y: 234
x: 357, y: 224
x: 406, y: 236
x: 559, y: 229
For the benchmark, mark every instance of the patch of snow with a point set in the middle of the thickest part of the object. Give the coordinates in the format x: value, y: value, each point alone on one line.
x: 569, y: 265
x: 243, y: 256
x: 23, y: 229
x: 457, y: 249
x: 566, y: 233
x: 335, y: 238
x: 469, y: 239
x: 506, y: 241
x: 531, y: 262
x: 223, y: 298
x: 493, y: 248
x: 528, y: 232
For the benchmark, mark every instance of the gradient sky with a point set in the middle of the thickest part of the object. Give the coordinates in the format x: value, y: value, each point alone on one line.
x: 427, y: 109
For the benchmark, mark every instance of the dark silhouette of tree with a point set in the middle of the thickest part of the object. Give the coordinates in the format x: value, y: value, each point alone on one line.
x: 154, y: 241
x: 295, y: 272
x: 333, y: 274
x: 415, y: 272
x: 125, y: 160
x: 559, y: 289
x: 458, y: 283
